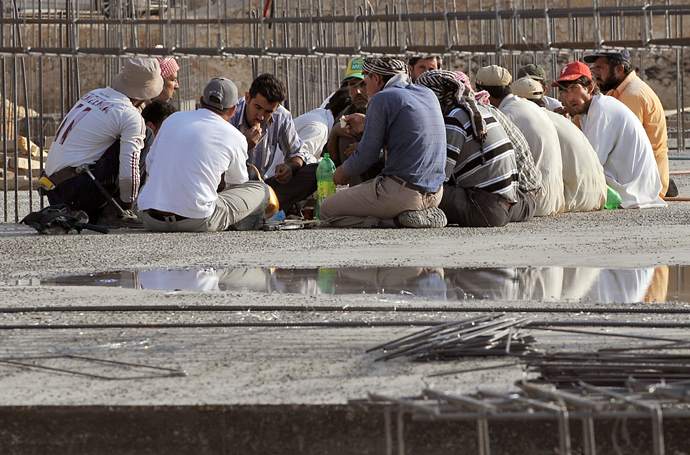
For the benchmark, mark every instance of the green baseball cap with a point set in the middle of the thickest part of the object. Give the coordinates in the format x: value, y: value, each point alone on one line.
x: 354, y: 69
x: 532, y: 71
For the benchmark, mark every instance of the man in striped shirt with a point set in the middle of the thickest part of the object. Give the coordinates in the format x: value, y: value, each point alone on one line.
x: 481, y: 172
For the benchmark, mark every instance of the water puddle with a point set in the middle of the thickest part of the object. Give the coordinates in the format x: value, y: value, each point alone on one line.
x: 547, y: 284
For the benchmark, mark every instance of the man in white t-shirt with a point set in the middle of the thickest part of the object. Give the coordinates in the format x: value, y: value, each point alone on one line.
x: 104, y: 133
x: 194, y: 155
x: 617, y: 136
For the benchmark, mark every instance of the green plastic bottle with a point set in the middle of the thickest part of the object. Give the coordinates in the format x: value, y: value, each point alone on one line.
x: 324, y: 182
x: 613, y: 199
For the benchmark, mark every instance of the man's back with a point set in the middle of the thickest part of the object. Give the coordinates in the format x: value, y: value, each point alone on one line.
x: 490, y: 166
x: 624, y: 151
x: 407, y: 121
x: 190, y: 154
x: 583, y: 176
x: 93, y: 125
x: 646, y: 105
x: 546, y: 151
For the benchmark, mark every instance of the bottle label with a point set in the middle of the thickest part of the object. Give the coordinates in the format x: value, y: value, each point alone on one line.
x: 325, y: 189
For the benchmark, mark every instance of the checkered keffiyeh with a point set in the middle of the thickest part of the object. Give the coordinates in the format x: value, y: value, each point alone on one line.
x: 451, y: 90
x: 169, y: 66
x: 384, y: 66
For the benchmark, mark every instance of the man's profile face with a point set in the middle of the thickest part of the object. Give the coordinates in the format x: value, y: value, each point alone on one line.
x: 374, y: 84
x: 358, y: 92
x: 422, y: 66
x: 169, y: 86
x: 605, y: 74
x: 575, y: 98
x: 258, y: 109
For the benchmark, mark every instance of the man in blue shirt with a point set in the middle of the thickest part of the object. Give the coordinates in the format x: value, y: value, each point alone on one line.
x: 274, y: 146
x: 405, y: 123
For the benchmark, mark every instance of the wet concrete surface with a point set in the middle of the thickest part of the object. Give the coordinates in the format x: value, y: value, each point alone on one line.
x: 264, y: 370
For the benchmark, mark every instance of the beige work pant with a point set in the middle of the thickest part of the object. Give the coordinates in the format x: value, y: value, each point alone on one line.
x: 378, y: 199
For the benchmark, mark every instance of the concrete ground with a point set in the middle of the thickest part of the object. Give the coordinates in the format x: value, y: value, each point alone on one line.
x: 207, y: 384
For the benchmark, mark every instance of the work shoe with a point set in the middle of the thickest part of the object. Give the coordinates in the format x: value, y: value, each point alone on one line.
x: 432, y: 217
x: 672, y: 189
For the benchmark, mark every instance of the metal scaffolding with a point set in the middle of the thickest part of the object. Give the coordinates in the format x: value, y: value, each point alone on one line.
x: 54, y: 51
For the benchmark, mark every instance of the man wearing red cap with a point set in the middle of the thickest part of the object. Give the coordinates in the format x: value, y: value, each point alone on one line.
x: 616, y: 135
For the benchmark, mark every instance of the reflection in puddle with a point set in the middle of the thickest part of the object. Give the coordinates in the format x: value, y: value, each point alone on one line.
x: 547, y: 284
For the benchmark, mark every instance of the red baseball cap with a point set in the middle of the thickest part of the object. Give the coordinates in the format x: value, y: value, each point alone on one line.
x: 572, y: 71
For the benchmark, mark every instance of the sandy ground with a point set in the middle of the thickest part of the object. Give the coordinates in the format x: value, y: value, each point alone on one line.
x: 302, y: 365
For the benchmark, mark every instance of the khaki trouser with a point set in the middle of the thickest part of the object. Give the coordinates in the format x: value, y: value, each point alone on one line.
x: 378, y: 199
x: 238, y: 206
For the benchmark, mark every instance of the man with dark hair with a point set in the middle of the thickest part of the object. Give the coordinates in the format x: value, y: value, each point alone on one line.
x: 481, y: 172
x: 156, y: 112
x: 616, y: 135
x: 403, y: 120
x: 540, y: 133
x: 195, y: 154
x: 615, y: 77
x: 270, y: 130
x: 420, y: 65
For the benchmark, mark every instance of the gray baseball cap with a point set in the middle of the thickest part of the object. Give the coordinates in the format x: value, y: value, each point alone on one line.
x: 220, y: 93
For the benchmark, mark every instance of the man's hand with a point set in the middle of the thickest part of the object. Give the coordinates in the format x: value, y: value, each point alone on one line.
x: 355, y: 123
x: 283, y: 173
x: 253, y: 136
x: 339, y: 131
x: 339, y: 177
x: 350, y: 148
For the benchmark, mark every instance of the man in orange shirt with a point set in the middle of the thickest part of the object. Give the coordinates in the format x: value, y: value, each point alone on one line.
x: 615, y: 77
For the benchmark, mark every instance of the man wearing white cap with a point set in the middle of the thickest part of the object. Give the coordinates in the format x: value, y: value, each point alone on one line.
x: 584, y: 184
x: 537, y: 129
x: 103, y: 133
x: 195, y: 154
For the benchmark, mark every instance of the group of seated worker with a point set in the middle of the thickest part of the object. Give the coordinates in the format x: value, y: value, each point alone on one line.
x: 418, y: 146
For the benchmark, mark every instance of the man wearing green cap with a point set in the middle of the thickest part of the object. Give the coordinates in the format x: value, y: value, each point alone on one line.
x: 537, y: 73
x: 341, y: 144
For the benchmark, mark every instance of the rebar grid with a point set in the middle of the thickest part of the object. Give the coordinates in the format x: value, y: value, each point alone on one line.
x: 585, y: 403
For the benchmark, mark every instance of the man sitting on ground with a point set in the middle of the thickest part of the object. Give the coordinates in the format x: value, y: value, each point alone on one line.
x: 103, y: 133
x: 481, y: 172
x: 342, y: 143
x: 615, y: 77
x: 537, y: 129
x: 405, y: 121
x: 195, y: 154
x: 616, y: 135
x: 584, y: 184
x: 537, y: 73
x: 270, y: 131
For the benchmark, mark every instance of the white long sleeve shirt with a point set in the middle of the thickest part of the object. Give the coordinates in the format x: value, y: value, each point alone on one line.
x: 624, y: 150
x: 543, y: 142
x: 94, y: 124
